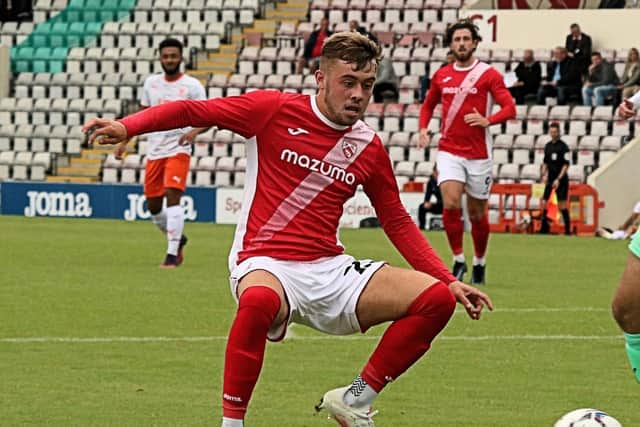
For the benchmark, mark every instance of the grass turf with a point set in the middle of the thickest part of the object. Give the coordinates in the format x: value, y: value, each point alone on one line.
x: 550, y: 347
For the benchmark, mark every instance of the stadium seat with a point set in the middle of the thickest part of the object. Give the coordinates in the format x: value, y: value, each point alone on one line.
x: 612, y: 143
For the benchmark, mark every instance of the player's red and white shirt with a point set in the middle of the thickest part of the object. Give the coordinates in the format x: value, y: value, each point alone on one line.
x: 301, y: 169
x: 157, y: 90
x: 461, y: 91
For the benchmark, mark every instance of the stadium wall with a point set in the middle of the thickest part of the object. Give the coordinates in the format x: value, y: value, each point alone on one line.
x: 95, y: 201
x: 516, y: 29
x: 617, y: 185
x: 202, y: 204
x: 4, y: 71
x: 229, y: 203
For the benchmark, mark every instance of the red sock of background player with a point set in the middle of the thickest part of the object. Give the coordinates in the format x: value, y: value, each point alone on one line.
x: 454, y: 227
x: 480, y: 235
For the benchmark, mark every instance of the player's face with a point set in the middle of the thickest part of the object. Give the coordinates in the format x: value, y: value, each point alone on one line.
x: 462, y: 44
x: 344, y: 92
x: 170, y: 59
x: 554, y: 133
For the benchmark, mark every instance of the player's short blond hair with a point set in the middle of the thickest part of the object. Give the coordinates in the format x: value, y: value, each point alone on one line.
x: 353, y: 48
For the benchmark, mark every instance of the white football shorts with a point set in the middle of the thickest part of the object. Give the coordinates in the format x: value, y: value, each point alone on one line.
x: 475, y: 173
x: 322, y: 294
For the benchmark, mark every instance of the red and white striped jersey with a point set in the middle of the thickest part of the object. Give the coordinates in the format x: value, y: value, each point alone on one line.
x: 461, y: 91
x: 301, y: 169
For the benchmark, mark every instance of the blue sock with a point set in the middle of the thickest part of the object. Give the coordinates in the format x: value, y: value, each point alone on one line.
x: 633, y: 352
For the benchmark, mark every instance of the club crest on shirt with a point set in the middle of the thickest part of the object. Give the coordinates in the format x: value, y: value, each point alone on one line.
x: 348, y: 148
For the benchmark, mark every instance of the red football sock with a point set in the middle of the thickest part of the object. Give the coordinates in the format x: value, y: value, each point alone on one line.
x: 454, y: 227
x: 407, y: 339
x: 480, y: 235
x: 257, y: 308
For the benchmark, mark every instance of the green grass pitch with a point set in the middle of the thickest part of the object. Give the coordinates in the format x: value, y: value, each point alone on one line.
x: 93, y: 333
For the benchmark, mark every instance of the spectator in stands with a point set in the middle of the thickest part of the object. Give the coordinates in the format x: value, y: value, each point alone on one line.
x: 554, y: 175
x: 430, y: 205
x: 167, y: 159
x: 602, y: 81
x: 386, y: 85
x: 562, y: 80
x: 630, y: 81
x: 612, y: 4
x: 578, y: 46
x: 313, y: 48
x: 355, y: 26
x: 529, y: 74
x: 624, y: 231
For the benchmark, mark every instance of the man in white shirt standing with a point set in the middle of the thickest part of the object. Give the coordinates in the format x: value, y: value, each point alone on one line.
x: 167, y: 158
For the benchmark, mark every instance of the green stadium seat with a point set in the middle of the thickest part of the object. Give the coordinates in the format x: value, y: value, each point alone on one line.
x: 56, y: 66
x: 58, y: 35
x: 59, y: 54
x: 126, y: 4
x: 38, y: 66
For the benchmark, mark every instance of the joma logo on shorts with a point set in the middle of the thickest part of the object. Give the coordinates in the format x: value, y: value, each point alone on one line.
x: 315, y: 165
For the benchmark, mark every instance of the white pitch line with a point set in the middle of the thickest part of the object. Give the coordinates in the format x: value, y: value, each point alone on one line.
x: 26, y: 340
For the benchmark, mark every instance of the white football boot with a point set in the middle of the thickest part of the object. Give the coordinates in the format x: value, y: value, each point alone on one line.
x: 345, y: 415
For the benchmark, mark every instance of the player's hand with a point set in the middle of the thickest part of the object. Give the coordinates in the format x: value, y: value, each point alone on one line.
x: 476, y: 119
x: 544, y: 179
x: 470, y: 298
x: 626, y: 109
x: 424, y: 138
x: 189, y: 137
x: 105, y: 131
x: 118, y: 153
x: 555, y: 183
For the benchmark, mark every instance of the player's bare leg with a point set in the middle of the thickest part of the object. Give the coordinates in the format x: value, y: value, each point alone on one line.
x: 453, y: 225
x: 626, y: 308
x: 477, y: 209
x: 261, y: 304
x: 174, y: 229
x: 420, y: 307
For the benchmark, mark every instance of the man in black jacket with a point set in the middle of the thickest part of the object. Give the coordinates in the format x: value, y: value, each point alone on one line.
x: 313, y: 48
x: 562, y: 80
x: 433, y: 191
x: 553, y: 172
x: 578, y: 45
x: 529, y: 74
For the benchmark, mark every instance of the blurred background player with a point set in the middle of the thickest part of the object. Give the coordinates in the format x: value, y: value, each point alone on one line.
x: 553, y: 172
x: 432, y: 199
x: 626, y: 300
x: 287, y: 263
x: 626, y: 230
x: 626, y: 305
x: 466, y: 90
x: 167, y: 159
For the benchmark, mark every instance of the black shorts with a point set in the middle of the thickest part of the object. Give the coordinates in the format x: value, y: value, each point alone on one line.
x: 562, y: 192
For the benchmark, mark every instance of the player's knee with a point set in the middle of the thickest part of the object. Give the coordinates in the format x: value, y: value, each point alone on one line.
x: 260, y: 299
x: 435, y: 302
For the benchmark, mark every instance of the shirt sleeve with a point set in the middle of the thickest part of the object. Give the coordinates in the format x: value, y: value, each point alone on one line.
x: 198, y: 91
x: 565, y: 151
x: 430, y: 102
x: 145, y: 100
x: 382, y: 190
x: 504, y: 99
x: 547, y: 158
x: 246, y: 114
x: 635, y: 99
